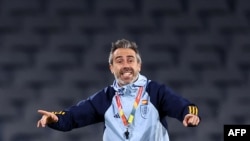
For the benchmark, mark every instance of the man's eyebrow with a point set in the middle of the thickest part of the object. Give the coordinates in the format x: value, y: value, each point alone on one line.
x: 118, y: 57
x: 128, y: 56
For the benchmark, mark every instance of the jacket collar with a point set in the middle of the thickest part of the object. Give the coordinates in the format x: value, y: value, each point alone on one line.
x: 130, y: 89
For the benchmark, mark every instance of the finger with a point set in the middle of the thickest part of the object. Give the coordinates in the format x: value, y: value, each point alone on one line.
x: 43, y: 121
x: 197, y: 121
x: 43, y: 112
x: 39, y: 124
x: 194, y: 121
x: 185, y: 123
x: 186, y: 120
x: 191, y: 120
x: 49, y: 115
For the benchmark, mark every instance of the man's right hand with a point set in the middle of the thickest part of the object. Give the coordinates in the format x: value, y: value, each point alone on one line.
x: 48, y: 117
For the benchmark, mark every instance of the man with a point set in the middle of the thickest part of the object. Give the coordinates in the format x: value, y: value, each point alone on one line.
x: 132, y: 108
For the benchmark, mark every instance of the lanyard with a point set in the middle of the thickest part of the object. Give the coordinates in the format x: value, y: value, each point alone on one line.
x: 132, y: 114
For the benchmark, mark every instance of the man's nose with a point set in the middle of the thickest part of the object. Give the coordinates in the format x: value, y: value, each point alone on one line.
x: 126, y: 68
x: 125, y: 64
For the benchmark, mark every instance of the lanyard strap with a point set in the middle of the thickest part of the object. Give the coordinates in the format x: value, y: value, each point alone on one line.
x: 135, y: 105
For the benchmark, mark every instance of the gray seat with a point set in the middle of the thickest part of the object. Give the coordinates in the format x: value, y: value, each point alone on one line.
x: 181, y: 24
x: 223, y: 77
x: 176, y: 77
x: 44, y: 25
x: 71, y: 42
x: 206, y: 97
x: 22, y: 130
x: 23, y: 42
x: 238, y: 55
x: 15, y: 7
x: 13, y: 60
x: 114, y: 7
x: 242, y: 6
x: 35, y: 78
x: 8, y: 24
x: 9, y: 111
x: 64, y: 7
x: 56, y: 60
x: 177, y: 131
x: 208, y: 7
x: 62, y: 95
x: 210, y: 130
x: 229, y: 24
x: 203, y: 51
x: 200, y: 61
x: 161, y: 7
x: 88, y: 80
x: 234, y: 109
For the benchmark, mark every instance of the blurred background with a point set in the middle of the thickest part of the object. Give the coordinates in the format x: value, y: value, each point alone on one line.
x: 54, y: 53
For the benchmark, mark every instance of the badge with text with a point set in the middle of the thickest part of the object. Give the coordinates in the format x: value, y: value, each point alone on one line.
x: 236, y: 132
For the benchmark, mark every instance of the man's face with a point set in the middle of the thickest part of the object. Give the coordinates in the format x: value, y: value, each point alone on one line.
x: 125, y: 66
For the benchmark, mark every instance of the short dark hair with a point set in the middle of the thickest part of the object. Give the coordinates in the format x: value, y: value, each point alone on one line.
x: 123, y: 43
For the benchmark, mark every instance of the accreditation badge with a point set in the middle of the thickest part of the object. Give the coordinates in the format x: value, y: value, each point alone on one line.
x: 144, y: 108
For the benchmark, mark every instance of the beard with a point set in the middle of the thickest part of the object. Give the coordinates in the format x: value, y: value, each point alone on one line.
x: 126, y: 76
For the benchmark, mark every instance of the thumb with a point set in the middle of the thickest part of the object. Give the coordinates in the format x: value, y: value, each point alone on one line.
x: 186, y: 120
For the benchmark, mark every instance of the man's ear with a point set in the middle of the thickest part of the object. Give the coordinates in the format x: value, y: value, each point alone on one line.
x: 139, y: 67
x: 111, y: 68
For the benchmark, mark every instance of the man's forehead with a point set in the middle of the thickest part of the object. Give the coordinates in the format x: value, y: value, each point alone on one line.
x: 124, y: 51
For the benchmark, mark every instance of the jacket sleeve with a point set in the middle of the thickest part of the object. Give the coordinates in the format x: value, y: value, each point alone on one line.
x: 170, y: 103
x: 84, y: 113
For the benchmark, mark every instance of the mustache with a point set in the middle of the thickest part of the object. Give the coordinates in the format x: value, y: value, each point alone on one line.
x: 124, y: 70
